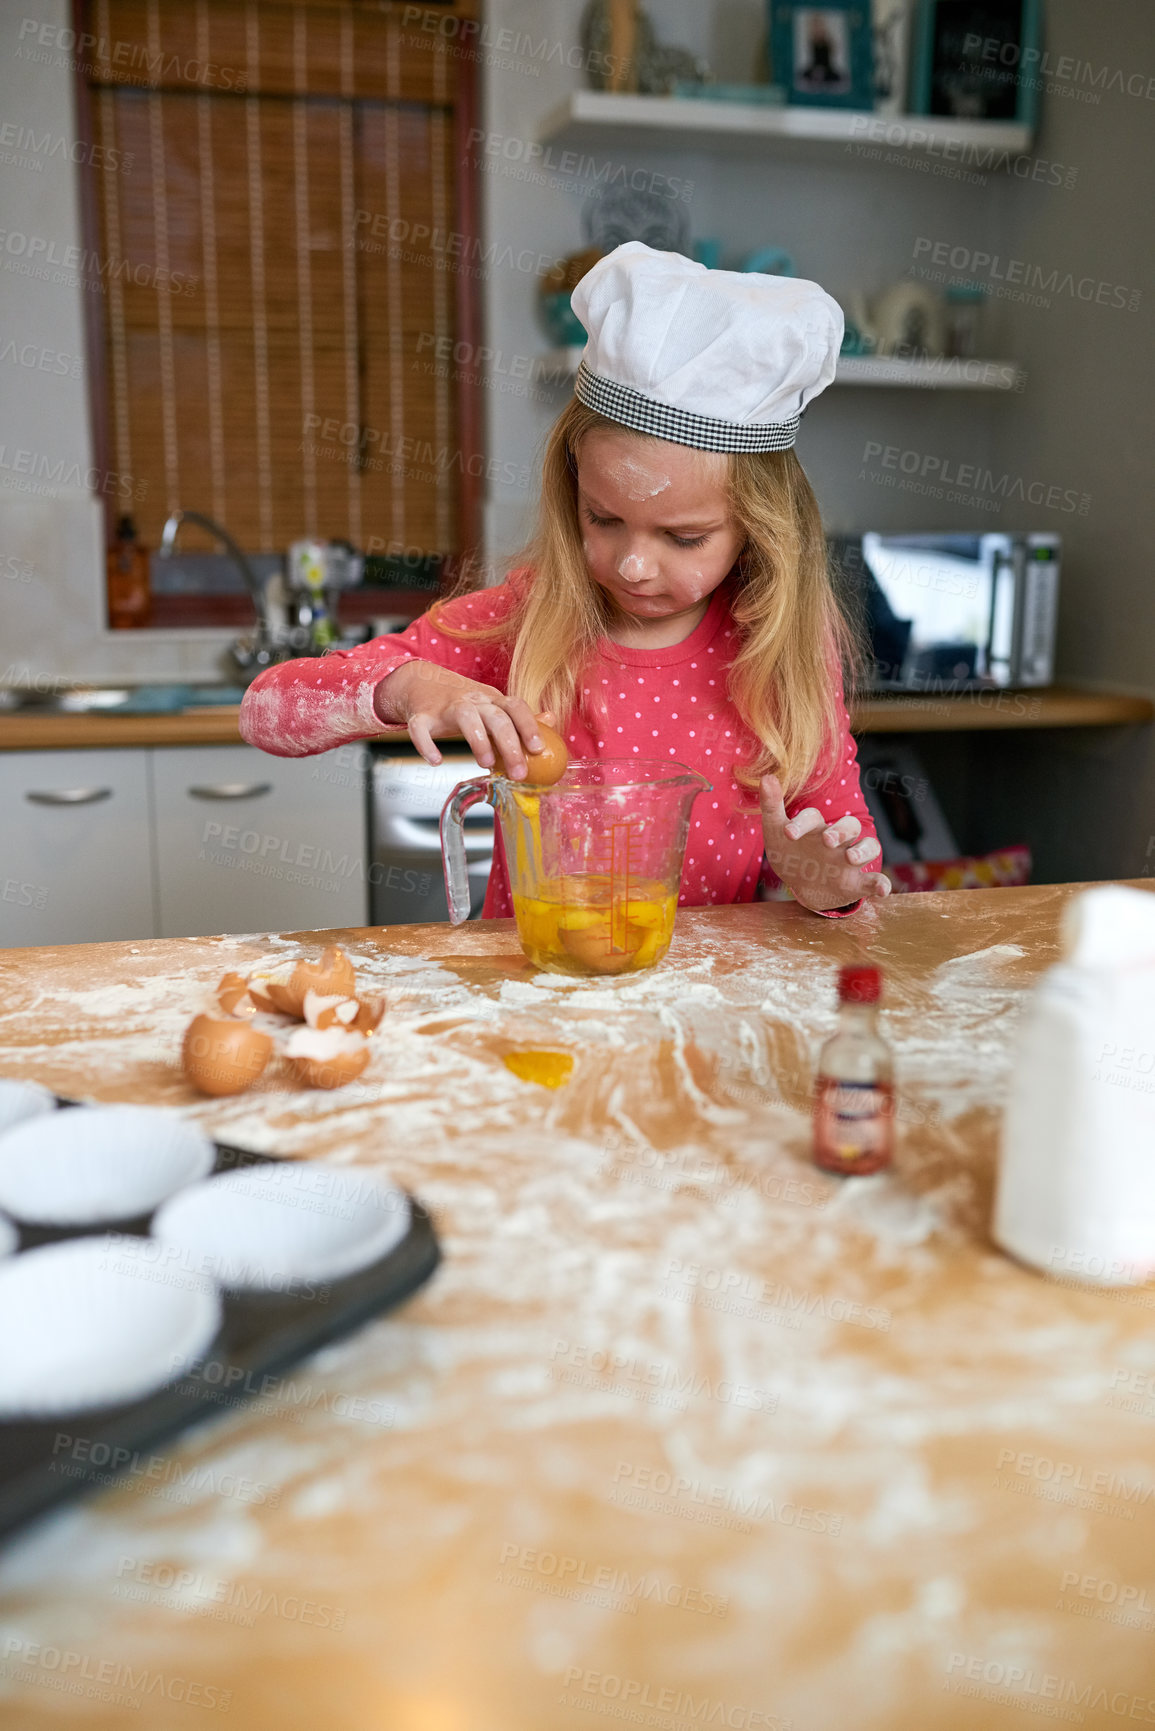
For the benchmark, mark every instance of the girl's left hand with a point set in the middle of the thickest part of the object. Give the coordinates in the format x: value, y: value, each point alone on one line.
x: 822, y: 863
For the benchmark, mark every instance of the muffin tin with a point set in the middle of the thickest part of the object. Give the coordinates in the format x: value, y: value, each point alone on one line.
x: 118, y: 1333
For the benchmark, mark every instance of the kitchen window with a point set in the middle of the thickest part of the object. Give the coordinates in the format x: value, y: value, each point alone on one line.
x: 280, y: 227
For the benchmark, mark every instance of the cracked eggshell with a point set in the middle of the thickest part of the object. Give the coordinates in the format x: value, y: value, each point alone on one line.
x: 332, y: 976
x: 326, y: 1057
x: 370, y: 1012
x: 261, y: 979
x: 360, y: 1014
x: 221, y: 1055
x: 234, y: 997
x: 329, y: 1010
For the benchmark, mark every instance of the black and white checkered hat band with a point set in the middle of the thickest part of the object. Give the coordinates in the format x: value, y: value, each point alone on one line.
x: 662, y: 421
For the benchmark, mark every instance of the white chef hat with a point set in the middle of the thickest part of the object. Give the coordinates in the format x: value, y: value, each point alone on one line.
x: 718, y: 359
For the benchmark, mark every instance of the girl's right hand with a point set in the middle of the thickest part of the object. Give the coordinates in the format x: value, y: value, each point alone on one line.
x: 433, y: 701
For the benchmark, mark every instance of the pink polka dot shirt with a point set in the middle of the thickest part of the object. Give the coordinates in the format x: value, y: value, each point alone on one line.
x: 666, y: 703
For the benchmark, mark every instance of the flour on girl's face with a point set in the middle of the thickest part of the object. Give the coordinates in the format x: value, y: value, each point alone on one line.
x: 637, y: 480
x: 657, y: 530
x: 636, y: 569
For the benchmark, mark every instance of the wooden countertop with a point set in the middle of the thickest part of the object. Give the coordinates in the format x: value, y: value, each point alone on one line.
x: 971, y: 712
x: 983, y: 711
x: 680, y: 1420
x: 201, y: 726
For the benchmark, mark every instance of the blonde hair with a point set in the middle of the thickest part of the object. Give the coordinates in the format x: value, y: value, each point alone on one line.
x: 793, y: 635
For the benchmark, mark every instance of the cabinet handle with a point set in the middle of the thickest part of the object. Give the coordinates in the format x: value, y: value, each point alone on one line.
x: 232, y: 790
x: 68, y: 795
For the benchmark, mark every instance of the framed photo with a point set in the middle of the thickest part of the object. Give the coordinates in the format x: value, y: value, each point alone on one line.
x: 973, y: 59
x: 822, y: 52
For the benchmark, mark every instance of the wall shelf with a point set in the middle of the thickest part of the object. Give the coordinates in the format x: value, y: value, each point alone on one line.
x: 873, y: 370
x: 940, y: 374
x: 590, y: 115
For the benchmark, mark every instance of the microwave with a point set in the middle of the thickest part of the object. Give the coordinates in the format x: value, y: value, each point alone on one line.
x: 953, y: 612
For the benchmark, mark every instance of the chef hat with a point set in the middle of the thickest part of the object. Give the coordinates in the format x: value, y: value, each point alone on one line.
x: 718, y: 359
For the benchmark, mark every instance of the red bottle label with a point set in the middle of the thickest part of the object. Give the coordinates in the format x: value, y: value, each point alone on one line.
x: 853, y: 1125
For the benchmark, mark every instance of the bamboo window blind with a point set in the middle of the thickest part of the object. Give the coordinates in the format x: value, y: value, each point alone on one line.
x: 278, y: 214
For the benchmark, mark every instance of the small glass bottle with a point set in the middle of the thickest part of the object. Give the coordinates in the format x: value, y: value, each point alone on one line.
x: 854, y: 1093
x: 129, y: 598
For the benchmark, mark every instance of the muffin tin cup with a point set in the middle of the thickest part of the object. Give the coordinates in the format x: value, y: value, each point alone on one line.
x: 284, y: 1227
x: 91, y: 1165
x: 88, y: 1326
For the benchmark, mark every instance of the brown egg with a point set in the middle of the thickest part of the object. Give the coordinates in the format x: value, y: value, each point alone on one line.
x: 233, y: 996
x: 326, y: 1057
x: 223, y: 1056
x: 331, y: 977
x: 544, y: 767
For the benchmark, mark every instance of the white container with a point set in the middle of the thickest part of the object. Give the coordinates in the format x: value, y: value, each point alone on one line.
x: 1076, y: 1184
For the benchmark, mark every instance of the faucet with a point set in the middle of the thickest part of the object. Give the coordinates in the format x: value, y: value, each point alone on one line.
x: 261, y: 652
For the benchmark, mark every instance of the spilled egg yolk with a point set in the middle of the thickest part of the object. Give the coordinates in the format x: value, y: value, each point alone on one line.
x: 548, y: 1069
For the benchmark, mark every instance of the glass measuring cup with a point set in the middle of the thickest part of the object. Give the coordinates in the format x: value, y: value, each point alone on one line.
x: 595, y: 862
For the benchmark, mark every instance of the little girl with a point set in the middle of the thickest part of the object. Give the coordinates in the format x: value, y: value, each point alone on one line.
x: 675, y: 602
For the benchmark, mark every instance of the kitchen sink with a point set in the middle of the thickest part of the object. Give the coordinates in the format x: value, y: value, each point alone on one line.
x: 117, y: 700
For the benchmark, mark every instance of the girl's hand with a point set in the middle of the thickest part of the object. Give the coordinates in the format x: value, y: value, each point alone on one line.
x: 434, y: 701
x: 821, y: 862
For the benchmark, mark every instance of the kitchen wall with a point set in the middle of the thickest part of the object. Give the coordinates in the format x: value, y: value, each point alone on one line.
x: 1068, y: 453
x: 848, y: 222
x: 52, y: 623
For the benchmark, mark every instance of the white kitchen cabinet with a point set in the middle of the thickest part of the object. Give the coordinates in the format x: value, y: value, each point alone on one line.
x: 75, y: 847
x: 251, y: 843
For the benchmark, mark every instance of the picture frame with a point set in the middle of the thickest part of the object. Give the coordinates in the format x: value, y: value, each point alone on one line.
x: 968, y: 59
x: 823, y: 52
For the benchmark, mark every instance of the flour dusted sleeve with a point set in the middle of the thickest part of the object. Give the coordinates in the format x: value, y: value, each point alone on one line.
x: 313, y: 704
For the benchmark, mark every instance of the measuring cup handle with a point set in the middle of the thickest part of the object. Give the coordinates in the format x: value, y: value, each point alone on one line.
x: 453, y: 857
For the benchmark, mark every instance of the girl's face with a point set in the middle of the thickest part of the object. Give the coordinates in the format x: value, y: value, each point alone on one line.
x: 655, y: 521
